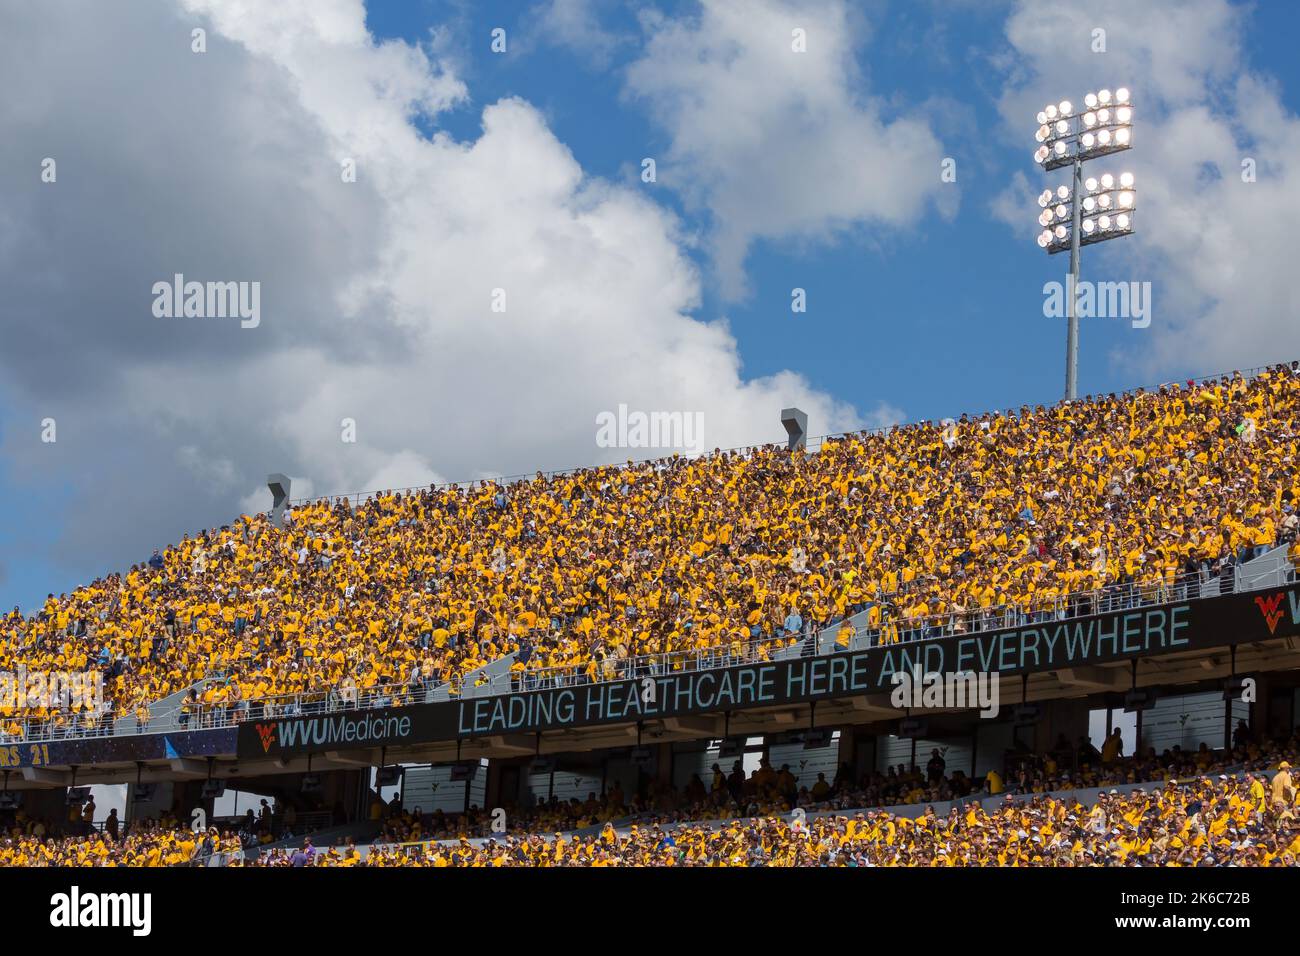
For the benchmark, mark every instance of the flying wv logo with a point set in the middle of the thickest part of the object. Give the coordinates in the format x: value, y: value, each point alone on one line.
x: 1269, y: 608
x: 267, y: 733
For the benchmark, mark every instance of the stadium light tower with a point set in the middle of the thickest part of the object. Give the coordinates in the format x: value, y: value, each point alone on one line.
x: 1086, y: 211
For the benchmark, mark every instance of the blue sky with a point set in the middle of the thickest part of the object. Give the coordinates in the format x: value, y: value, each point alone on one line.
x: 949, y: 295
x: 934, y: 315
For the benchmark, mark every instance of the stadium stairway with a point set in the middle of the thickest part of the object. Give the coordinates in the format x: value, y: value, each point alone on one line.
x: 492, y: 678
x: 164, y: 714
x: 1272, y: 569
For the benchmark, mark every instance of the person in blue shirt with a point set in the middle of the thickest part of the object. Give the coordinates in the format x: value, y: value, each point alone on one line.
x: 305, y: 856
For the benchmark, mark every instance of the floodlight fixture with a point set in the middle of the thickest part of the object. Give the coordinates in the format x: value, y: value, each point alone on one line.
x: 1085, y: 211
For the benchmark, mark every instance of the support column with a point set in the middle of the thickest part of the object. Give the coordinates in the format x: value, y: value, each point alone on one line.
x: 796, y: 427
x: 279, y: 485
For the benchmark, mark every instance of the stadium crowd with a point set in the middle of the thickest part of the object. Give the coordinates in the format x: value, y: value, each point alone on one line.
x: 962, y: 522
x: 755, y: 805
x: 152, y: 843
x: 1249, y: 821
x: 770, y: 791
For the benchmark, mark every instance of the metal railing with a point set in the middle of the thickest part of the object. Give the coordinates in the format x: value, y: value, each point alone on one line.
x: 894, y: 629
x: 812, y: 640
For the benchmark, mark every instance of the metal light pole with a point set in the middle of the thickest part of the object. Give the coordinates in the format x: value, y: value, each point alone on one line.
x: 1070, y: 139
x: 1072, y: 322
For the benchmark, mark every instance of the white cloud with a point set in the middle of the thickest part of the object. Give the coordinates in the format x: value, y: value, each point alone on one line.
x: 376, y: 295
x: 576, y: 26
x: 884, y: 415
x: 1215, y: 247
x: 777, y: 144
x: 219, y: 474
